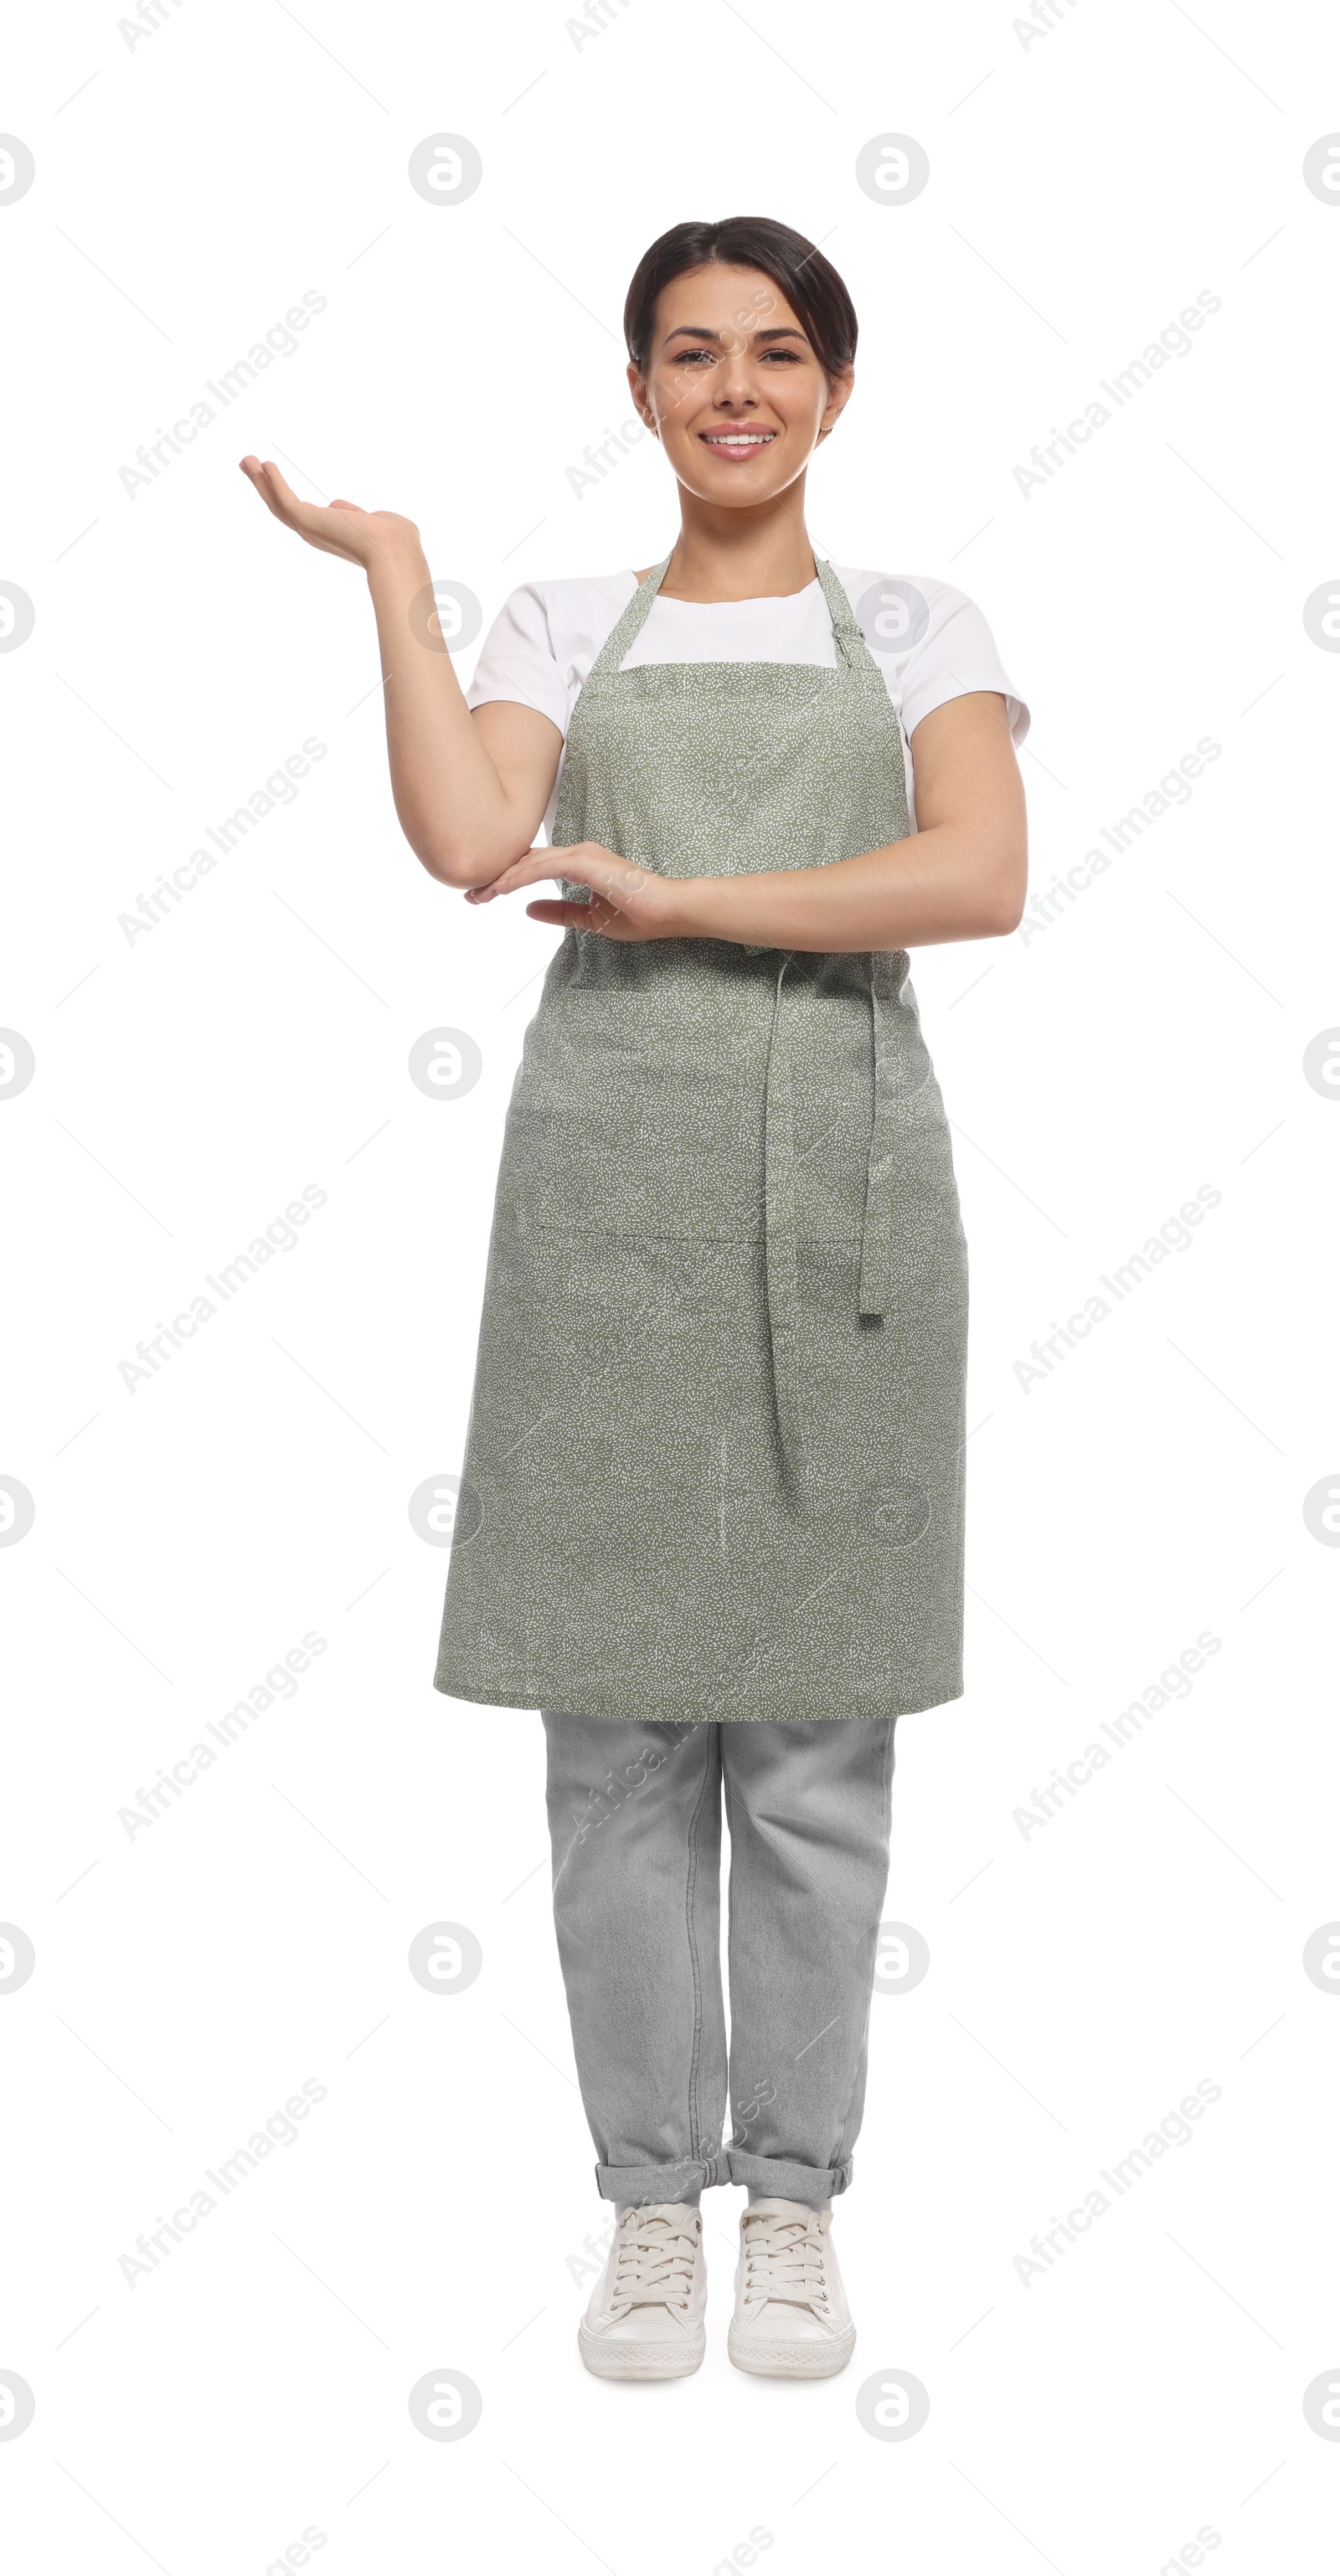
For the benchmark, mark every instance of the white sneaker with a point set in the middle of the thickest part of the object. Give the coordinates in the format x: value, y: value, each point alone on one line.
x: 791, y: 2316
x: 644, y: 2319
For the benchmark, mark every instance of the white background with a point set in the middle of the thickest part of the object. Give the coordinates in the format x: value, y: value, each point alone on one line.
x: 1084, y: 187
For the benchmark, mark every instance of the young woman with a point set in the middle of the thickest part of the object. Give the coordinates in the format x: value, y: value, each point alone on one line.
x: 711, y: 1515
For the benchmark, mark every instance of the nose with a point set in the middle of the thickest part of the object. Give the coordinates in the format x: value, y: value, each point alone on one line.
x: 735, y: 389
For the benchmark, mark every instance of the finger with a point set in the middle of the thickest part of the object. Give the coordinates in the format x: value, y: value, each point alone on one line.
x: 267, y: 478
x: 302, y: 516
x: 282, y: 503
x: 256, y: 475
x: 529, y: 870
x: 569, y: 916
x: 279, y: 485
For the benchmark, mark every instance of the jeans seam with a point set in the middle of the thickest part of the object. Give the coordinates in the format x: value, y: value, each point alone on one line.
x: 841, y: 2161
x: 690, y: 1888
x: 728, y: 2135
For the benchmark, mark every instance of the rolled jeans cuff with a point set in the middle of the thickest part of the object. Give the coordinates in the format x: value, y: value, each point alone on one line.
x: 641, y: 2184
x: 782, y: 2180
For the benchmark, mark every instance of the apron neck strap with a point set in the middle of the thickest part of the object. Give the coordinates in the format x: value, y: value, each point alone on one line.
x: 850, y: 643
x: 629, y: 625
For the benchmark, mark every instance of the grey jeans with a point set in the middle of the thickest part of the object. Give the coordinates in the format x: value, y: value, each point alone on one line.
x: 635, y: 1821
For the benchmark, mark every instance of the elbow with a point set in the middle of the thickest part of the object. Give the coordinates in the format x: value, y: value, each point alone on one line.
x: 474, y: 861
x: 451, y: 858
x: 1005, y: 914
x: 451, y: 867
x: 1006, y: 894
x: 452, y: 872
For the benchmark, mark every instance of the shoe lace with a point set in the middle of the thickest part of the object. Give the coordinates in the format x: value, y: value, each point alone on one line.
x: 654, y: 2260
x: 784, y: 2259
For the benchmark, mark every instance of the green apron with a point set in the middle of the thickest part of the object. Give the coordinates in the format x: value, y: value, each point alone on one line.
x: 714, y: 1465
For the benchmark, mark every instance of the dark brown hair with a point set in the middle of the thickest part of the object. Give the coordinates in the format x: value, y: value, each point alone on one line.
x: 809, y: 282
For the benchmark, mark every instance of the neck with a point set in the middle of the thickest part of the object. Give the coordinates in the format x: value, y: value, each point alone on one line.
x: 758, y: 553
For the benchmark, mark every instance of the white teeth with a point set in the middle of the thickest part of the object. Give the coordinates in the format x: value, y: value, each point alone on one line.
x: 726, y: 438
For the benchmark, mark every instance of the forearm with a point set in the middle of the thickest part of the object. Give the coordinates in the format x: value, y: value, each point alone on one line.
x: 450, y: 800
x: 950, y: 882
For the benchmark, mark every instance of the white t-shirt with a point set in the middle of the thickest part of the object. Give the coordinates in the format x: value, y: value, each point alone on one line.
x: 930, y: 642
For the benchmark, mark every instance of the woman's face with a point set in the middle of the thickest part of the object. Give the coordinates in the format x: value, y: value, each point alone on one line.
x: 733, y: 388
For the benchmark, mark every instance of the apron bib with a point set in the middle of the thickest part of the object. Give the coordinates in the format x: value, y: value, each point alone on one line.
x: 714, y: 1465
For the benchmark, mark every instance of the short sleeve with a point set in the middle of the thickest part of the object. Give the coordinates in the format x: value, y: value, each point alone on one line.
x: 517, y: 659
x: 956, y: 653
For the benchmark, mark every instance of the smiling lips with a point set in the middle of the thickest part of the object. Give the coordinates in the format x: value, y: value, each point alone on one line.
x: 737, y: 445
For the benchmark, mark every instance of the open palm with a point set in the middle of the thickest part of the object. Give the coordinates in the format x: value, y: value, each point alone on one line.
x: 359, y: 536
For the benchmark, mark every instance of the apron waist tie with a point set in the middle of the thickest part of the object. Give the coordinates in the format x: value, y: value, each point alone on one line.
x: 779, y: 1193
x: 877, y: 1230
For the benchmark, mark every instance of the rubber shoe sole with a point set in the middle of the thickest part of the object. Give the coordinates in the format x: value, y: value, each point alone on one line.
x: 772, y: 2357
x: 658, y: 2359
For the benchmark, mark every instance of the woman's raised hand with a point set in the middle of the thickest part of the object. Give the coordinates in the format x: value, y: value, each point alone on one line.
x: 359, y: 536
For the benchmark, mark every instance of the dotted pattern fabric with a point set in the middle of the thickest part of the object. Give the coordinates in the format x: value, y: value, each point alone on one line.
x: 714, y: 1464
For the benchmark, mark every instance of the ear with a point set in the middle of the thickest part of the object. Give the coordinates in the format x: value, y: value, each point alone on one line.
x: 637, y: 386
x: 839, y: 395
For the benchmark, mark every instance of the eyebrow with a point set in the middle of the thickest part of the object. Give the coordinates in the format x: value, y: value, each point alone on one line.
x: 699, y: 331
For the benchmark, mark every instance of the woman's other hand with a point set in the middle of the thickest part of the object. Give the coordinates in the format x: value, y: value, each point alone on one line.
x: 627, y: 902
